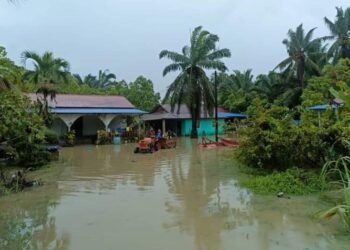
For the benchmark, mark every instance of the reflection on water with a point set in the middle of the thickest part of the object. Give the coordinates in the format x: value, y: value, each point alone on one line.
x: 106, y: 197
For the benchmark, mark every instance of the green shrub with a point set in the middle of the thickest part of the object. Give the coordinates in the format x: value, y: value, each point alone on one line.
x: 271, y: 140
x: 51, y: 137
x: 22, y: 131
x: 70, y: 138
x: 292, y: 181
x: 338, y: 172
x: 103, y: 137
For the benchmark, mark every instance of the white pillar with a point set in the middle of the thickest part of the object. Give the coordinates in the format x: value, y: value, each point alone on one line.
x: 163, y: 126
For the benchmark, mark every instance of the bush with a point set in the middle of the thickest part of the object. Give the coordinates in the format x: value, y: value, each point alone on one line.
x: 51, y: 137
x: 103, y: 137
x: 272, y: 141
x: 22, y: 132
x: 292, y: 181
x: 70, y: 138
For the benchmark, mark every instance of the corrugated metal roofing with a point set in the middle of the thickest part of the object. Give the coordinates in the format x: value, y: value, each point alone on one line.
x: 164, y: 112
x: 96, y: 111
x: 91, y: 101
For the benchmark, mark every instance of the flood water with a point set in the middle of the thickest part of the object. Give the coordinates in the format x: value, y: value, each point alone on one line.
x: 106, y: 197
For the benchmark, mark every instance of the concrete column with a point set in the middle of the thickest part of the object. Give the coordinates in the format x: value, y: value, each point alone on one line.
x: 163, y: 126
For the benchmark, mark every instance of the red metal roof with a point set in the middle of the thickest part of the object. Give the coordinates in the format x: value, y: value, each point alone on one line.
x: 89, y: 101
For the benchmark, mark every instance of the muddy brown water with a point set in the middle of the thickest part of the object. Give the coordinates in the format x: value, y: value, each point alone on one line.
x: 106, y: 197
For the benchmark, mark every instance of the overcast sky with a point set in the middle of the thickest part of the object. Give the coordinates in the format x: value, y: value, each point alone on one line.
x: 126, y: 36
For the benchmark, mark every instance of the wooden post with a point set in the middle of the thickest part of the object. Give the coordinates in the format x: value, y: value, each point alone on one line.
x: 216, y: 108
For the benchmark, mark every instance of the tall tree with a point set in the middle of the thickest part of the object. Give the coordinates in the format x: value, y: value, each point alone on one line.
x: 270, y: 86
x: 10, y: 73
x: 340, y: 34
x: 47, y: 68
x: 102, y: 81
x: 304, y: 53
x: 105, y: 78
x: 192, y: 86
x: 231, y: 83
x: 142, y: 87
x: 47, y: 72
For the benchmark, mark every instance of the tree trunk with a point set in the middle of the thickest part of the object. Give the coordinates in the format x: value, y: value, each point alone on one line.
x: 301, y: 72
x: 194, y: 132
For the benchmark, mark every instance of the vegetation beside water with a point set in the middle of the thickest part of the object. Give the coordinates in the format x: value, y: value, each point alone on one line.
x: 293, y: 181
x: 281, y: 131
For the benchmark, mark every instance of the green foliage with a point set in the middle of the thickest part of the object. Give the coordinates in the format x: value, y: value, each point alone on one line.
x: 240, y: 100
x: 292, y: 181
x: 10, y: 73
x: 338, y: 172
x: 103, y: 137
x: 70, y: 138
x: 192, y: 86
x: 237, y: 90
x: 305, y: 55
x: 271, y: 140
x: 142, y: 95
x: 47, y: 68
x: 51, y: 137
x: 21, y: 130
x: 335, y: 78
x: 102, y: 81
x: 339, y: 35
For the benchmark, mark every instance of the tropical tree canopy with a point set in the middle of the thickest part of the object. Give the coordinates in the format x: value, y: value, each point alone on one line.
x: 192, y: 86
x: 10, y: 73
x: 102, y: 81
x: 47, y: 68
x: 305, y: 55
x: 236, y: 90
x: 339, y: 34
x: 142, y: 95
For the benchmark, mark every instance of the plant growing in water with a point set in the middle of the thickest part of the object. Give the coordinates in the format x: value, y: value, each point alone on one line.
x: 103, y: 137
x: 340, y: 169
x: 70, y: 138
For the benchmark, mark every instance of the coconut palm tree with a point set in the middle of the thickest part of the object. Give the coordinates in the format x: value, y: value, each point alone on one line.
x: 232, y: 83
x: 192, y: 86
x: 270, y: 85
x: 243, y: 80
x: 105, y: 78
x: 340, y: 34
x: 304, y: 55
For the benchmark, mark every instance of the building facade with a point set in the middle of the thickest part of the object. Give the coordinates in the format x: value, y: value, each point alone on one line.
x: 179, y: 120
x: 86, y: 114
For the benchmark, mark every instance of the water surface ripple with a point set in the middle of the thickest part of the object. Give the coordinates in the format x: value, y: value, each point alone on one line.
x: 106, y: 197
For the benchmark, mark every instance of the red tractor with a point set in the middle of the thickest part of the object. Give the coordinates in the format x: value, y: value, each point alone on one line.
x: 147, y: 145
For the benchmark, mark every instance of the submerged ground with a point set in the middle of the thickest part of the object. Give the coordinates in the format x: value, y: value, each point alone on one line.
x: 106, y: 197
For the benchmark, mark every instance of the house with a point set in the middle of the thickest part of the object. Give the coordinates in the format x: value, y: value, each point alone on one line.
x: 180, y: 121
x: 87, y: 114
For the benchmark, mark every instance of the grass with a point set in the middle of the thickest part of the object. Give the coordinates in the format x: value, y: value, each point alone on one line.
x: 293, y: 181
x: 340, y: 173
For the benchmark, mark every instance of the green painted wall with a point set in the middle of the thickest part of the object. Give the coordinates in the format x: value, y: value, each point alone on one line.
x: 205, y: 124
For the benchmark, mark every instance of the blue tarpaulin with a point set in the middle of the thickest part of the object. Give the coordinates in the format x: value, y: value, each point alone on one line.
x: 323, y: 107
